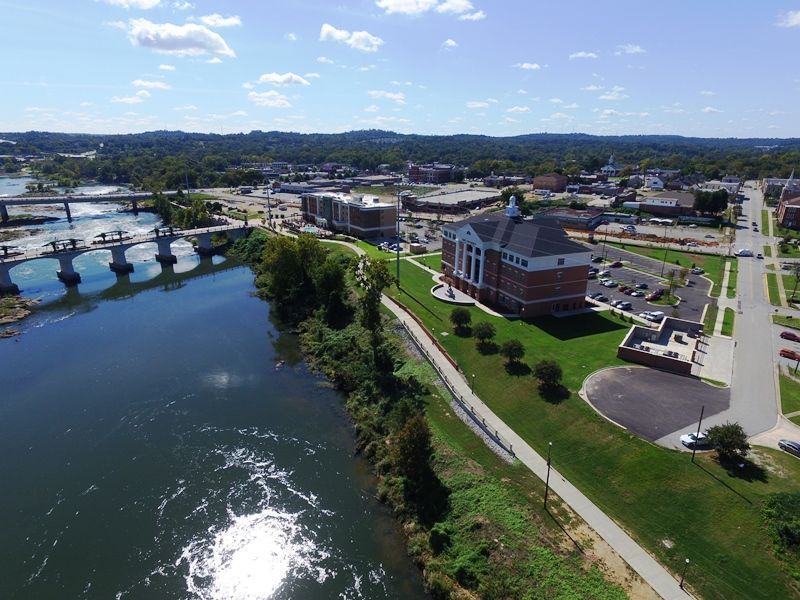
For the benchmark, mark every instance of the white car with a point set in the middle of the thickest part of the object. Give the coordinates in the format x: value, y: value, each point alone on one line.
x: 743, y: 252
x: 692, y: 440
x: 697, y: 271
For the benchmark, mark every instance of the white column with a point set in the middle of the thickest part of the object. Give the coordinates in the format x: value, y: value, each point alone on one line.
x: 483, y: 266
x: 457, y: 256
x: 464, y: 259
x: 472, y: 267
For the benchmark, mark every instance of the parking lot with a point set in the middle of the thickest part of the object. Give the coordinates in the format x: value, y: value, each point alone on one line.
x: 694, y: 297
x: 652, y: 403
x: 779, y: 343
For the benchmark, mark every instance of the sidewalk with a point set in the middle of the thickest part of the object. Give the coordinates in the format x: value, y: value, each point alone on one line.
x: 662, y: 582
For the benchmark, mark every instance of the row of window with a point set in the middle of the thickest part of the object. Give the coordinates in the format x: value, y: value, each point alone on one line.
x: 514, y: 259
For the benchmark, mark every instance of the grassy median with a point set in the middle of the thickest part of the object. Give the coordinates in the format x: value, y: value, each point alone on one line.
x: 772, y: 289
x: 674, y: 508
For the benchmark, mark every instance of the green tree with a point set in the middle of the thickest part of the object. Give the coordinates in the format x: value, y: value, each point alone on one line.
x: 549, y: 374
x: 412, y: 454
x: 512, y: 350
x: 729, y: 440
x: 484, y: 333
x: 330, y: 283
x: 460, y: 317
x: 506, y: 194
x: 374, y: 276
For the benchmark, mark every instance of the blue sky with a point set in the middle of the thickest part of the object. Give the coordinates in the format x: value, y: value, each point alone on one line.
x: 504, y: 67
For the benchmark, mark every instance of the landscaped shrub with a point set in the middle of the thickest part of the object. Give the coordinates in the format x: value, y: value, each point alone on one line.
x: 781, y: 512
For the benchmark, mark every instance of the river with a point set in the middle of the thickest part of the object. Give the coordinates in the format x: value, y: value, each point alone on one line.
x: 161, y: 438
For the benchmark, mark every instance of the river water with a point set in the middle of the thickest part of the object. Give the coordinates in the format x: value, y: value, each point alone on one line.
x: 154, y: 445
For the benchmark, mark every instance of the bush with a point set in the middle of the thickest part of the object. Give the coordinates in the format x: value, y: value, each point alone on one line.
x: 460, y: 317
x: 512, y: 350
x: 781, y: 512
x: 729, y: 440
x: 548, y: 372
x: 439, y: 537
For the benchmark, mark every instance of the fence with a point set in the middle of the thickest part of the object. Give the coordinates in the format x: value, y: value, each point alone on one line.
x: 493, y: 434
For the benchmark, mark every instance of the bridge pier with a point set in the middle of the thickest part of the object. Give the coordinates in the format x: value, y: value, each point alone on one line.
x: 165, y: 255
x: 6, y: 285
x: 135, y: 206
x: 119, y: 264
x: 67, y: 274
x: 69, y: 213
x: 204, y: 246
x: 3, y: 213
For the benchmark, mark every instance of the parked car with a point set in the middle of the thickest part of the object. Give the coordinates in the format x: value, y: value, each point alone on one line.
x: 604, y: 273
x: 790, y: 446
x: 692, y: 440
x: 790, y: 335
x: 641, y: 286
x: 629, y: 291
x: 709, y: 237
x: 693, y: 226
x: 597, y: 259
x: 697, y: 271
x: 692, y: 244
x: 609, y: 283
x: 624, y: 305
x: 624, y: 288
x: 637, y: 294
x: 592, y: 275
x: 615, y: 302
x: 790, y: 354
x: 616, y: 264
x: 602, y: 298
x: 595, y: 295
x: 653, y: 296
x: 759, y: 255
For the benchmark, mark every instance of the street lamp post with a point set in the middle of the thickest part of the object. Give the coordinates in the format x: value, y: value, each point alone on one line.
x: 683, y: 575
x: 666, y: 248
x: 699, y: 424
x: 547, y: 480
x: 398, y: 239
x: 472, y: 385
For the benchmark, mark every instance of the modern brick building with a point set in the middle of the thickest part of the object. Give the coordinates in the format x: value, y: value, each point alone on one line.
x: 551, y: 181
x: 520, y: 266
x: 359, y: 216
x: 434, y: 173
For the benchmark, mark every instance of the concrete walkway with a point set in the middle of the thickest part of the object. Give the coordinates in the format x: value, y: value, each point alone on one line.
x: 722, y: 302
x: 661, y: 580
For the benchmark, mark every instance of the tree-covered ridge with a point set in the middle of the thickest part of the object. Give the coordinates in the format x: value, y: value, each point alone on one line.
x: 168, y: 157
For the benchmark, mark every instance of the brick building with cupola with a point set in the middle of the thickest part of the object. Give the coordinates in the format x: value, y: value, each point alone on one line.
x: 524, y: 266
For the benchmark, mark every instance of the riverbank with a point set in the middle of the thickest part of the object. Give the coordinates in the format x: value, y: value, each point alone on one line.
x: 470, y: 521
x: 13, y: 309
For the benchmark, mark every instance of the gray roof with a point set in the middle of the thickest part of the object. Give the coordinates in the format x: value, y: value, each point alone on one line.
x: 684, y: 198
x: 543, y: 237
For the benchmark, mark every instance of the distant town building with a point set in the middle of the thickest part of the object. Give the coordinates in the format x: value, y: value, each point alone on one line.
x: 732, y: 187
x: 571, y: 218
x: 360, y: 216
x: 611, y: 169
x: 653, y: 183
x: 773, y: 186
x: 788, y: 213
x: 505, y: 180
x: 434, y: 173
x: 554, y: 182
x: 453, y: 199
x: 521, y: 266
x: 667, y: 203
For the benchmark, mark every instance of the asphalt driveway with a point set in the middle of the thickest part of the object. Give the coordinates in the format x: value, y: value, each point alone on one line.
x: 652, y: 403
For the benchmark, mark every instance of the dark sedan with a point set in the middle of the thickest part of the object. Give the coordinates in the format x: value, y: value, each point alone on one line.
x: 790, y: 447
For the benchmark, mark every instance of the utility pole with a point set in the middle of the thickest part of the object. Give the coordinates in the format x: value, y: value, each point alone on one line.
x: 699, y: 424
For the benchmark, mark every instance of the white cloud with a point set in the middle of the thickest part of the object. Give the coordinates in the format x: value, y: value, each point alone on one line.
x: 372, y: 108
x: 127, y: 99
x: 270, y: 99
x: 358, y: 40
x: 592, y: 88
x: 449, y: 44
x: 478, y: 15
x: 324, y: 60
x: 571, y: 106
x: 217, y: 20
x: 582, y: 54
x: 248, y: 85
x: 615, y: 93
x: 406, y: 7
x: 366, y: 68
x: 151, y: 85
x: 282, y: 79
x: 454, y: 6
x: 398, y: 97
x: 311, y: 75
x: 710, y: 109
x: 518, y: 109
x: 186, y: 107
x: 181, y: 40
x: 86, y: 103
x: 214, y: 61
x: 526, y: 66
x: 116, y: 25
x: 179, y: 5
x: 789, y: 19
x: 522, y: 92
x: 477, y: 104
x: 139, y: 4
x: 166, y: 67
x: 143, y: 94
x: 556, y: 101
x: 292, y: 37
x: 707, y: 93
x: 629, y: 49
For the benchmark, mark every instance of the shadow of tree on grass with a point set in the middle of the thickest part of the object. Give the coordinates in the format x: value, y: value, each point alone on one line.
x: 517, y: 368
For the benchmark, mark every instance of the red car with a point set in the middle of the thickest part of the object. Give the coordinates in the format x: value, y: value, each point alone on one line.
x: 616, y: 264
x: 790, y: 335
x: 790, y: 354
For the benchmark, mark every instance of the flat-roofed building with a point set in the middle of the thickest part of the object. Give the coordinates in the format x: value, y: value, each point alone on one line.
x: 554, y: 182
x: 363, y: 217
x: 522, y: 266
x: 668, y: 203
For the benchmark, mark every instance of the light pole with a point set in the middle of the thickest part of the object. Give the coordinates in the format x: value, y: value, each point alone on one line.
x: 547, y: 480
x: 269, y: 207
x: 683, y: 575
x: 398, y: 238
x: 694, y: 447
x: 472, y: 385
x: 666, y: 248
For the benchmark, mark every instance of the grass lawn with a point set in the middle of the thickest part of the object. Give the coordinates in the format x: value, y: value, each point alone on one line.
x: 712, y: 264
x: 772, y: 289
x: 732, y: 276
x: 764, y: 221
x: 768, y: 251
x: 432, y: 261
x: 789, y: 283
x: 655, y: 493
x: 338, y: 249
x: 786, y: 321
x: 710, y: 320
x: 788, y: 251
x: 727, y: 321
x: 790, y: 394
x: 795, y: 419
